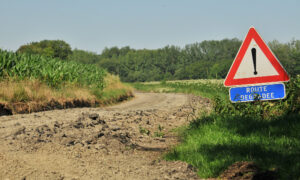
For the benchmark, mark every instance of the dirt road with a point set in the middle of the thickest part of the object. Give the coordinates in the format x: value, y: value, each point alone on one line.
x: 124, y: 141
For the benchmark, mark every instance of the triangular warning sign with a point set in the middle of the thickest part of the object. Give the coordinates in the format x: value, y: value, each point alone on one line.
x: 255, y: 64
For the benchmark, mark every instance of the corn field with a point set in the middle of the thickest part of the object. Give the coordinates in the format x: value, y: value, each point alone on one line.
x: 54, y: 72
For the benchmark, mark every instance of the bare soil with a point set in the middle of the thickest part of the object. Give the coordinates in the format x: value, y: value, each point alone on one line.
x: 125, y: 141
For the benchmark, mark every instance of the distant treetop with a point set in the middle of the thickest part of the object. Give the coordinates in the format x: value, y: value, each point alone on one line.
x: 51, y: 48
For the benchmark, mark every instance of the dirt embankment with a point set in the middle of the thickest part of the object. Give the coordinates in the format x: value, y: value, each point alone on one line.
x: 125, y: 141
x: 29, y: 107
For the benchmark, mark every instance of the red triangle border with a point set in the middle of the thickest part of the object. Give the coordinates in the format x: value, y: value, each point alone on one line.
x: 282, y: 74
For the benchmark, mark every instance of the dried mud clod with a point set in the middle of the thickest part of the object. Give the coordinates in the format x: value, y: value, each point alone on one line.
x: 4, y: 110
x: 88, y: 120
x: 19, y: 130
x: 89, y: 130
x: 247, y: 171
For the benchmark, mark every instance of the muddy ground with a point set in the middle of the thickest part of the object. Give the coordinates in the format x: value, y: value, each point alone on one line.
x: 125, y: 141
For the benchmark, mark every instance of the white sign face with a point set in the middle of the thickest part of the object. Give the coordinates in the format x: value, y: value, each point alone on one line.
x: 262, y: 66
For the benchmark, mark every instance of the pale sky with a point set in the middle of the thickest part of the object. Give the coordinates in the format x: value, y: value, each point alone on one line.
x: 95, y: 24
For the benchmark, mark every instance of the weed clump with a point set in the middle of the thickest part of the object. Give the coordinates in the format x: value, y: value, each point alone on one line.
x: 20, y: 95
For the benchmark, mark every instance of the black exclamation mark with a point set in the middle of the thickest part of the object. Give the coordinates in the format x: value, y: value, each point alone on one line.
x: 253, y: 50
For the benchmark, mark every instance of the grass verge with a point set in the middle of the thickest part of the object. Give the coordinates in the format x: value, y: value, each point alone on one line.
x: 209, y: 88
x: 266, y: 133
x: 215, y: 142
x: 25, y: 96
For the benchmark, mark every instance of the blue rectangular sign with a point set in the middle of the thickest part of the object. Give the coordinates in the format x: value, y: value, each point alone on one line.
x: 261, y: 92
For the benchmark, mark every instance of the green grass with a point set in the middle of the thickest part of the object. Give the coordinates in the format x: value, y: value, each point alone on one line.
x: 214, y: 142
x: 113, y: 94
x: 202, y: 88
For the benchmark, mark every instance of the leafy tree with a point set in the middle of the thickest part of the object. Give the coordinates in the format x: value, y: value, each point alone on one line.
x: 51, y: 48
x: 84, y: 56
x: 288, y: 54
x: 220, y: 69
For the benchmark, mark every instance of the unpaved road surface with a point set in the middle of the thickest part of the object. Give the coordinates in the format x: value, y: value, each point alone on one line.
x: 125, y: 141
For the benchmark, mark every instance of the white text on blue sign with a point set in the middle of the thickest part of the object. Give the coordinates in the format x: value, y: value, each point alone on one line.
x: 262, y: 92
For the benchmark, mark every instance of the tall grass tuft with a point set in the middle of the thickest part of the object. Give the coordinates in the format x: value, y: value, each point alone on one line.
x: 20, y: 95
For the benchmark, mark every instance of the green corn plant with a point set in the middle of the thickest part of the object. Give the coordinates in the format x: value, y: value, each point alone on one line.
x: 54, y: 72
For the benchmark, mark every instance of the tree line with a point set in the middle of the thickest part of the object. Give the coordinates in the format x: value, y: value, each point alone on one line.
x: 202, y: 60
